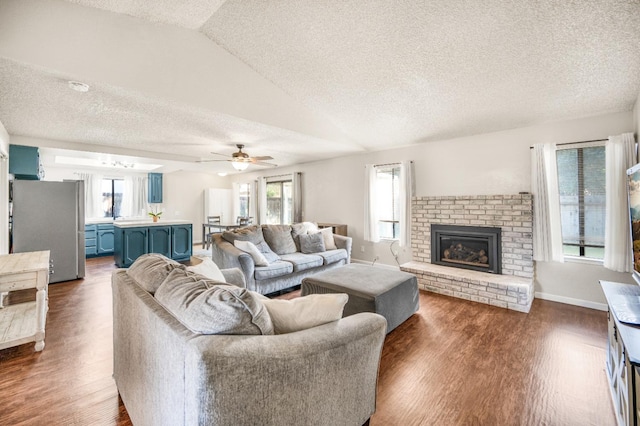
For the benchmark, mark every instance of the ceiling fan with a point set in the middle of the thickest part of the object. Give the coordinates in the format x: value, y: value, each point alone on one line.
x: 241, y: 160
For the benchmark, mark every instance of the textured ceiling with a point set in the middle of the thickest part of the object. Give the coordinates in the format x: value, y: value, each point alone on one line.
x: 408, y: 71
x: 385, y: 73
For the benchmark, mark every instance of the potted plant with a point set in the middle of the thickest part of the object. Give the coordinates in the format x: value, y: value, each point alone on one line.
x: 155, y: 215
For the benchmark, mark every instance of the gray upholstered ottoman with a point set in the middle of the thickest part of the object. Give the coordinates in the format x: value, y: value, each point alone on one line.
x: 392, y: 294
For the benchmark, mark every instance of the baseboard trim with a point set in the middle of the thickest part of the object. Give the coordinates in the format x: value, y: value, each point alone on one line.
x: 572, y: 301
x: 377, y: 265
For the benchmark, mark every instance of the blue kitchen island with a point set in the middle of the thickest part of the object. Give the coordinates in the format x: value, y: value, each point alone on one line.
x: 171, y: 238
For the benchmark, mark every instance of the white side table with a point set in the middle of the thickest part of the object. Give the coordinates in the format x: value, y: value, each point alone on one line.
x: 24, y: 322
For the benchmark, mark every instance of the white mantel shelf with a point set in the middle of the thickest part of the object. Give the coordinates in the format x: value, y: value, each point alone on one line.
x: 146, y: 223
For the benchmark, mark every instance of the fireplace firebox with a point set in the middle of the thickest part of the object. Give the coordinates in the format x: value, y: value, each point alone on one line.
x: 469, y: 247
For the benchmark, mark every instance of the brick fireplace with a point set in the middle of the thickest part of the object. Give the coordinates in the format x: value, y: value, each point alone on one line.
x: 512, y: 288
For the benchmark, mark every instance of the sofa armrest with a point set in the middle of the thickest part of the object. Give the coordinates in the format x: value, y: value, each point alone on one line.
x: 226, y: 255
x: 328, y: 373
x: 234, y: 276
x: 343, y: 242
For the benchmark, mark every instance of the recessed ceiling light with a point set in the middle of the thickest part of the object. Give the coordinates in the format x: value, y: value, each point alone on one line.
x: 223, y: 174
x: 79, y: 86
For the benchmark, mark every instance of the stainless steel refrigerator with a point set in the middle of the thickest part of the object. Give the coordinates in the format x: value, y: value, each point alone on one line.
x: 50, y: 216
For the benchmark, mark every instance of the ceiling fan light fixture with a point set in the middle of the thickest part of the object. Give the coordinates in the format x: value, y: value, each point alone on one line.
x: 239, y: 165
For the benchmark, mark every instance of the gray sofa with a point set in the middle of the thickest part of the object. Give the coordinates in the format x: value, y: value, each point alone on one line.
x: 291, y: 266
x: 169, y: 375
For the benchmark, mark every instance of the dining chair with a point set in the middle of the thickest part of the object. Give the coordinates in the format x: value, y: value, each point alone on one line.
x: 209, y: 236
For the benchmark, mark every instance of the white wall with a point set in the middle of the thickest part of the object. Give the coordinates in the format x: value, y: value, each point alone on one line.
x: 496, y: 163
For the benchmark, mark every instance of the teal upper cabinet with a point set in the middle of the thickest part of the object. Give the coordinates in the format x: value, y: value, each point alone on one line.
x: 24, y: 162
x: 154, y: 193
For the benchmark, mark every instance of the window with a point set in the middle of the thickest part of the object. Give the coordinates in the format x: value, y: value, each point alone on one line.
x: 244, y: 190
x: 388, y: 201
x: 112, y: 197
x: 279, y: 202
x: 581, y: 185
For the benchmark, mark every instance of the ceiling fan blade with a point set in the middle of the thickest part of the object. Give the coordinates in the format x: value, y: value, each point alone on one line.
x: 222, y: 155
x: 209, y: 161
x: 262, y: 163
x: 264, y: 157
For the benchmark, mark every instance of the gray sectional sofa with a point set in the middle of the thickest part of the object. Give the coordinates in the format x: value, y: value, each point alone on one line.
x: 288, y: 265
x: 167, y: 374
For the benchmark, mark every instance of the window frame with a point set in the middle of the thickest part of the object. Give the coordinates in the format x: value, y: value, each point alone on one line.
x: 396, y: 170
x: 113, y: 203
x: 281, y: 182
x: 581, y: 257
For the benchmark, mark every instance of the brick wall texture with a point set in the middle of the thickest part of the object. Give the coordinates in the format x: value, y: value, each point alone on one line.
x: 512, y: 213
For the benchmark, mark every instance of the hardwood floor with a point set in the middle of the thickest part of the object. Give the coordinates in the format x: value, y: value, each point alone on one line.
x: 453, y: 363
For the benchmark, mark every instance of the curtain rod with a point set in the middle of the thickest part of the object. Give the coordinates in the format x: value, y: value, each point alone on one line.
x: 577, y: 142
x: 389, y: 164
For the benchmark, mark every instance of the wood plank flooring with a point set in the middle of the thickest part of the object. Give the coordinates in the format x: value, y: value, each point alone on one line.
x: 453, y: 363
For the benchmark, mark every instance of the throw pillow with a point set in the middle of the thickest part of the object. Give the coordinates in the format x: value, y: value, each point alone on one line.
x: 312, y: 243
x: 207, y: 268
x: 254, y: 235
x: 150, y: 270
x: 304, y: 312
x: 279, y: 238
x: 302, y: 228
x: 249, y: 247
x: 206, y: 307
x: 327, y: 236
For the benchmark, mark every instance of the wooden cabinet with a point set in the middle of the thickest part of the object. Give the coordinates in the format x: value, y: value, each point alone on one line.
x: 173, y: 241
x: 181, y: 242
x: 24, y: 322
x: 623, y: 352
x: 154, y: 189
x: 160, y: 240
x: 337, y: 228
x: 90, y: 240
x: 98, y: 239
x: 24, y: 162
x: 105, y: 239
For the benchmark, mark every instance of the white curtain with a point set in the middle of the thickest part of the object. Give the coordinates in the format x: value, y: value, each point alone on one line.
x: 235, y: 189
x: 134, y: 197
x: 547, y: 230
x: 253, y: 201
x: 262, y: 200
x: 370, y: 203
x: 92, y: 195
x: 407, y: 191
x: 296, y: 183
x: 620, y: 155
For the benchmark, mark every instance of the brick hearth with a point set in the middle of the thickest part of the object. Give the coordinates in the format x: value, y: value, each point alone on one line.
x: 512, y: 213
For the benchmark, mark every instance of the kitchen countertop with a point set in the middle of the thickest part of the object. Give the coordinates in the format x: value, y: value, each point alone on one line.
x: 149, y: 222
x: 98, y: 220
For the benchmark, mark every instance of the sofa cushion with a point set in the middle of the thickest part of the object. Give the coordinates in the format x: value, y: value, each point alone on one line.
x: 311, y: 243
x: 249, y: 247
x: 254, y: 235
x: 327, y: 236
x: 302, y: 262
x: 333, y: 256
x: 305, y: 312
x: 302, y: 228
x: 207, y: 268
x: 279, y: 238
x: 207, y: 307
x: 150, y: 270
x: 274, y: 270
